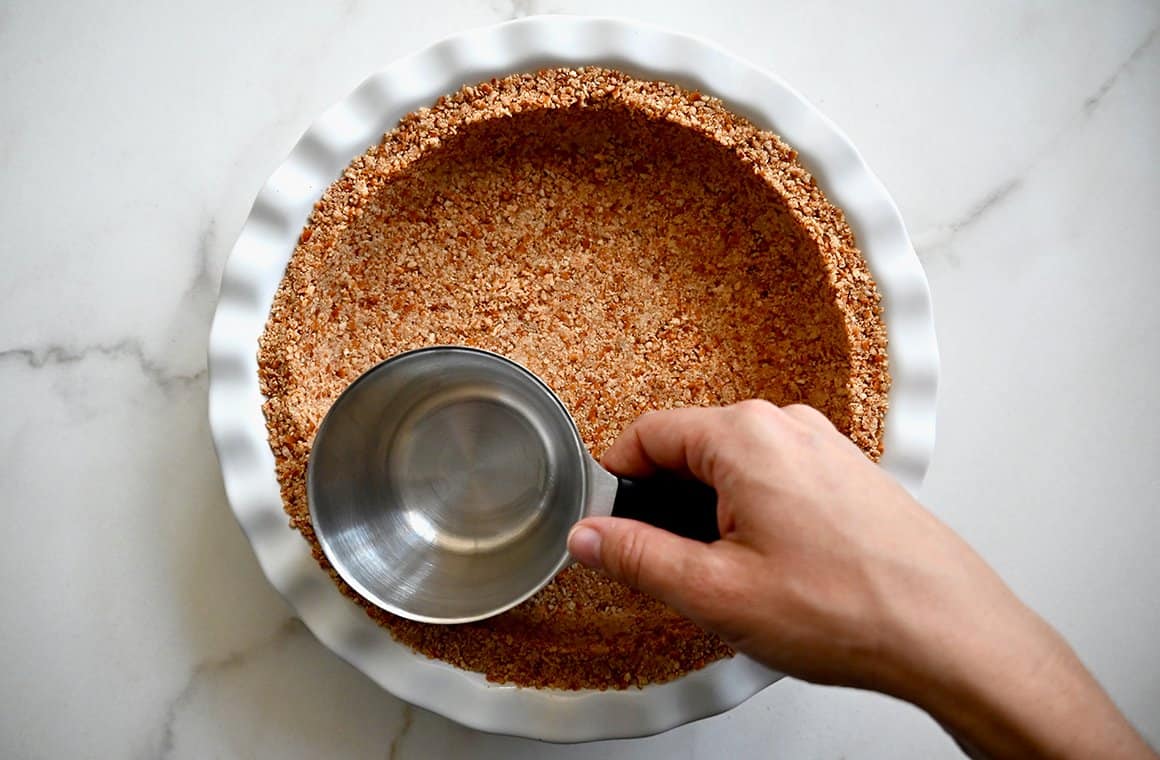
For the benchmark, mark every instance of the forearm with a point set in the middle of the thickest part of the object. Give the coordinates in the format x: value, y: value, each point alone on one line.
x: 1006, y: 685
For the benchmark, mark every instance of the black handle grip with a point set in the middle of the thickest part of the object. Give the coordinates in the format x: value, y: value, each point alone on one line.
x: 685, y: 507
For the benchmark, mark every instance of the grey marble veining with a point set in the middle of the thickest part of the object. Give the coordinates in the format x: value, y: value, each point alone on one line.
x: 1019, y: 140
x: 209, y: 669
x: 939, y: 239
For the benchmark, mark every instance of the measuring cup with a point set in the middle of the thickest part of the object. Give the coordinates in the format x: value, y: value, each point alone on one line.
x: 443, y: 483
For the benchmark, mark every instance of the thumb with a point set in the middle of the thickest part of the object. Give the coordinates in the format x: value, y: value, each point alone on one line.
x: 661, y: 564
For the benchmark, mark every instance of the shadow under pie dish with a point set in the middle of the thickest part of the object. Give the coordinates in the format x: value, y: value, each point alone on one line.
x: 631, y: 241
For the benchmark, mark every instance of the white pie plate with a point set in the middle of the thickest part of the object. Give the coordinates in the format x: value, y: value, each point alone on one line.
x: 266, y: 241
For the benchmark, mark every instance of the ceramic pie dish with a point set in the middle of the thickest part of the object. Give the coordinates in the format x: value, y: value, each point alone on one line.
x: 268, y: 238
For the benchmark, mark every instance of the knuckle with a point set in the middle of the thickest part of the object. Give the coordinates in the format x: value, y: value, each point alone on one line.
x: 703, y: 454
x: 812, y: 424
x: 631, y: 553
x: 806, y: 413
x: 755, y: 408
x: 811, y: 415
x: 800, y: 410
x: 757, y: 417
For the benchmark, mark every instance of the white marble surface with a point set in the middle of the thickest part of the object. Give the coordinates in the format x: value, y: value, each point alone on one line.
x: 1019, y: 139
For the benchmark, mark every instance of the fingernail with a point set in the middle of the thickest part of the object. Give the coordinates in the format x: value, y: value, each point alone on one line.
x: 584, y: 545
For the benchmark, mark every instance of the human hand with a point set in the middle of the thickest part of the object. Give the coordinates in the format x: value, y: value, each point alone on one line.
x: 829, y: 571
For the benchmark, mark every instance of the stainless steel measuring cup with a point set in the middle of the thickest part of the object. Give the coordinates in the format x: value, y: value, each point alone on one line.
x: 443, y: 483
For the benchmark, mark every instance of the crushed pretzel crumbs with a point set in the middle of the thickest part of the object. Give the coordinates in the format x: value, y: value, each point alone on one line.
x: 634, y: 244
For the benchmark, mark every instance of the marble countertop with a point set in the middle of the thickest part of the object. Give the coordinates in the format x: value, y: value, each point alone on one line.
x: 1019, y: 140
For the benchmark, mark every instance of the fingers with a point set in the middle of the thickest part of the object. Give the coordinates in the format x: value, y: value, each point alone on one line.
x: 680, y: 440
x: 673, y: 569
x: 695, y: 441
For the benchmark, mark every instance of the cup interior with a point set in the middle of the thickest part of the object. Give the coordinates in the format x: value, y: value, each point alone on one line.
x: 443, y: 482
